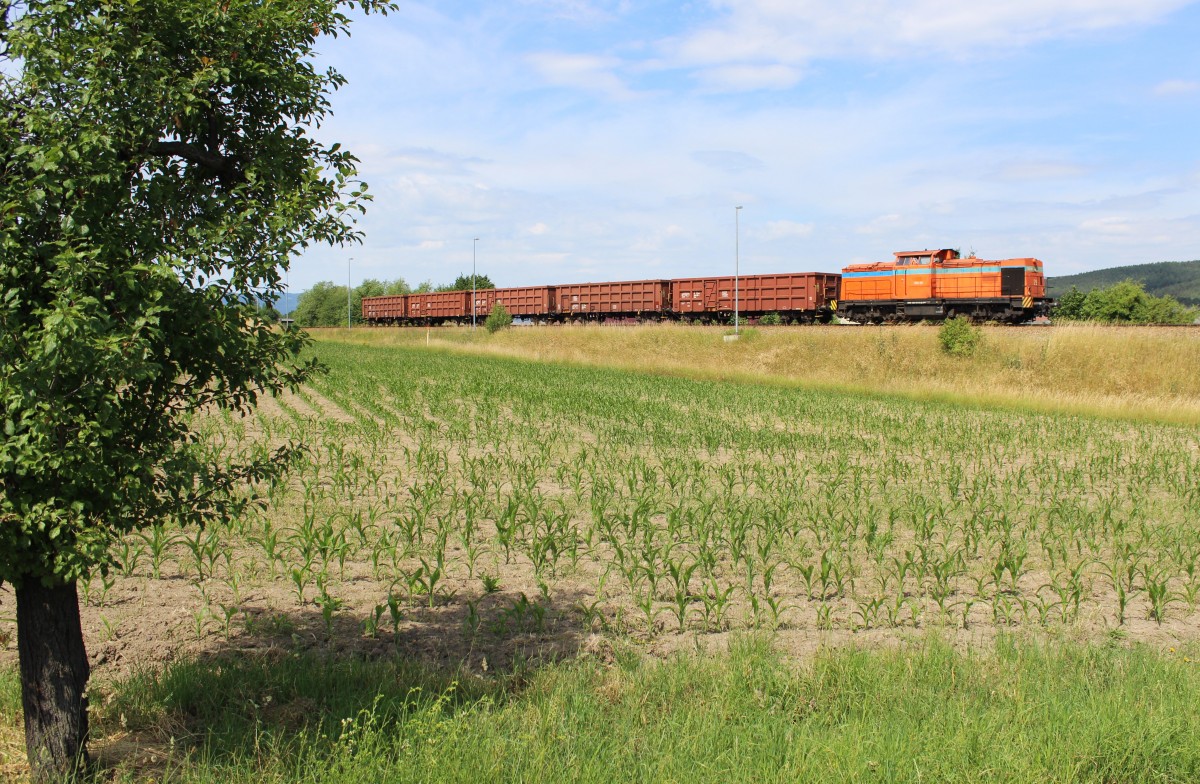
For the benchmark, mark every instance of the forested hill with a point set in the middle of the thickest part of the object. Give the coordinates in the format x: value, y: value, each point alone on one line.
x: 1180, y: 279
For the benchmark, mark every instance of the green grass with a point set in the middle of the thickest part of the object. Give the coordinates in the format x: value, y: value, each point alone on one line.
x: 1143, y: 374
x: 10, y: 693
x: 1021, y: 712
x: 12, y: 733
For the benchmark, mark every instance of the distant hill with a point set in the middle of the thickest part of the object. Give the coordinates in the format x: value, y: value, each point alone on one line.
x: 1180, y: 279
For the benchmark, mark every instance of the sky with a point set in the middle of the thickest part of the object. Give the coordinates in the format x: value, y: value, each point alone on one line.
x: 588, y: 140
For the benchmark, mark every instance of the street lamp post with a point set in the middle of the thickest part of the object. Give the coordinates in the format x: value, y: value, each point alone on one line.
x: 737, y: 211
x: 348, y: 292
x: 474, y: 296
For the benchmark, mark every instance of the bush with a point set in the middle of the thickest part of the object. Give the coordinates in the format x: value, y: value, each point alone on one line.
x: 959, y: 337
x: 498, y: 319
x: 1070, y: 305
x: 323, y: 305
x: 771, y: 320
x: 1124, y: 302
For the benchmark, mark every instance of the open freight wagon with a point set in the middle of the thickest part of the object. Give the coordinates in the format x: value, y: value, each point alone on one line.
x: 796, y: 296
x: 805, y: 296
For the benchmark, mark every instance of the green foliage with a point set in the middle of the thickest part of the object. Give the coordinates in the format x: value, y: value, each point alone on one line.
x: 771, y: 320
x: 324, y: 305
x: 157, y: 174
x: 1179, y: 279
x: 370, y: 288
x: 1070, y: 305
x: 498, y: 319
x: 463, y: 283
x: 959, y: 337
x: 1124, y: 302
x: 374, y: 288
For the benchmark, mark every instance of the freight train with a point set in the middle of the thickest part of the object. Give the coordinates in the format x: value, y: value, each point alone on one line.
x: 915, y: 285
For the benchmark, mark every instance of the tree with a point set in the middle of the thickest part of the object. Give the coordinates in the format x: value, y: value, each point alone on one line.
x: 157, y: 174
x: 368, y: 288
x: 323, y: 305
x: 1070, y: 305
x: 463, y: 283
x: 396, y: 287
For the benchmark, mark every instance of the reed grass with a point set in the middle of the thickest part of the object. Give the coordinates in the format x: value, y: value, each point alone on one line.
x: 1148, y: 374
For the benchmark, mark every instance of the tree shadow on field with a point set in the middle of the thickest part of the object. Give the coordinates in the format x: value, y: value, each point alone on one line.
x: 284, y: 682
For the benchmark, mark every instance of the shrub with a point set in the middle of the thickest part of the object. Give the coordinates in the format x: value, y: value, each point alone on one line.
x: 959, y: 337
x: 1125, y: 302
x: 1070, y: 305
x: 771, y: 320
x: 498, y: 319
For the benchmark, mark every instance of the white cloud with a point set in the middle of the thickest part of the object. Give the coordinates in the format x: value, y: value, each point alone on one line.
x: 580, y: 10
x: 884, y: 224
x: 742, y: 78
x: 782, y: 229
x: 727, y: 160
x: 1021, y: 171
x: 581, y: 71
x: 538, y: 229
x: 768, y: 32
x: 1176, y: 87
x: 658, y: 238
x: 1109, y: 226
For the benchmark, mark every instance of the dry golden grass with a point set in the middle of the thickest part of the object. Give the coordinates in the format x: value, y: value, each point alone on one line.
x: 1141, y: 373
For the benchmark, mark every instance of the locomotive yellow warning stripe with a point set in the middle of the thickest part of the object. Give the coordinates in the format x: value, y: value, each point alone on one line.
x: 833, y: 304
x: 1027, y: 303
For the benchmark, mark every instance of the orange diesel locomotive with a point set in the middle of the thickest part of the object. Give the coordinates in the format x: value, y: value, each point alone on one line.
x: 937, y: 284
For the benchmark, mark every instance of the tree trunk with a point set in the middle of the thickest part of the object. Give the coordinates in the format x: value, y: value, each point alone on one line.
x: 54, y: 675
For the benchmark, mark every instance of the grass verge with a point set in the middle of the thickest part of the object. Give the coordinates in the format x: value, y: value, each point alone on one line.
x: 1023, y: 711
x: 1143, y: 374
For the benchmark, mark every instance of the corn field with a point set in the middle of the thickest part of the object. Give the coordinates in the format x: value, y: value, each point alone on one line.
x: 489, y: 499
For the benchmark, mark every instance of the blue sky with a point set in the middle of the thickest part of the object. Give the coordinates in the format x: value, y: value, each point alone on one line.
x: 612, y: 139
